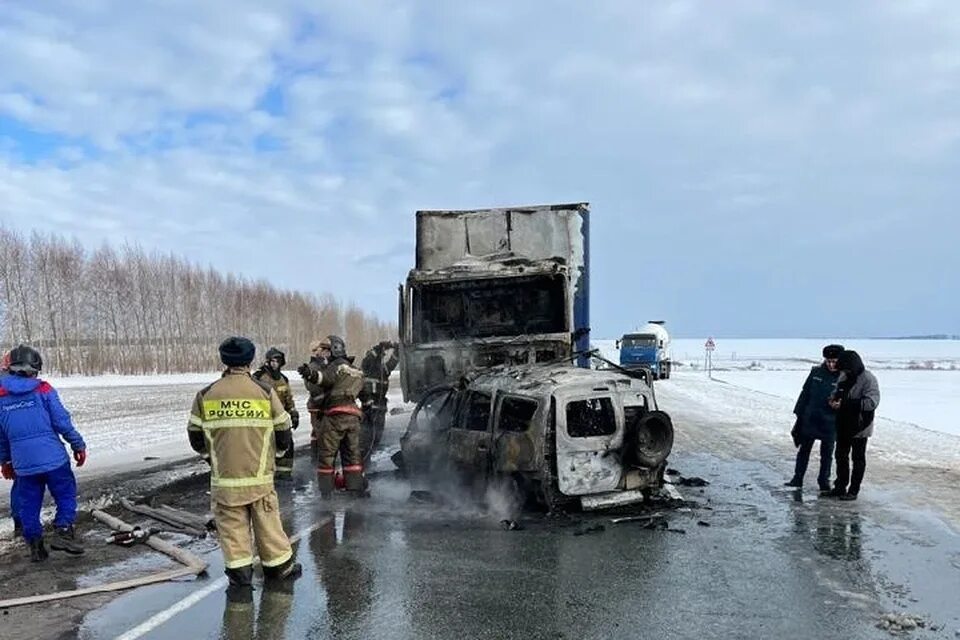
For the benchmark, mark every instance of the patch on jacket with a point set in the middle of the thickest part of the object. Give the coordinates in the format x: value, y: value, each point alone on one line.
x: 23, y: 404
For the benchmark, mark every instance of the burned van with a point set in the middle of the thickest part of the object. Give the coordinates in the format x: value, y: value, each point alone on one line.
x: 559, y: 435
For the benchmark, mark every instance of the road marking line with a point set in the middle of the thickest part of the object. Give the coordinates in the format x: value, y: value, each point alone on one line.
x: 162, y: 617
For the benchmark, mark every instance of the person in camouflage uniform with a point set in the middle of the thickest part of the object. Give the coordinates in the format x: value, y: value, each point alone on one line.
x: 271, y: 373
x: 319, y: 350
x: 377, y: 365
x: 340, y: 383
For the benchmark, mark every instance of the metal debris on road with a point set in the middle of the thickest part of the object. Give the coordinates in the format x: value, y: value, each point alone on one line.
x: 510, y: 525
x: 642, y: 518
x: 703, y: 523
x: 597, y: 528
x: 692, y: 481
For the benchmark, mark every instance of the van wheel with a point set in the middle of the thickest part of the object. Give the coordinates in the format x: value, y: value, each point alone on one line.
x: 649, y: 440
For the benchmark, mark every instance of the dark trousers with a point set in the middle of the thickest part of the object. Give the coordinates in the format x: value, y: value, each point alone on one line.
x: 30, y: 490
x: 857, y: 449
x: 15, y: 503
x: 803, y: 459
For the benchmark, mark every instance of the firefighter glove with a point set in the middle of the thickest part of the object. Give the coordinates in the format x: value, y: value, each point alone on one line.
x: 80, y: 457
x: 306, y: 372
x: 7, y: 470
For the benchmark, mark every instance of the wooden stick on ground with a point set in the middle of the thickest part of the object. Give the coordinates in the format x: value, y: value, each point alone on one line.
x: 182, y: 556
x: 122, y: 585
x: 163, y: 517
x: 194, y: 566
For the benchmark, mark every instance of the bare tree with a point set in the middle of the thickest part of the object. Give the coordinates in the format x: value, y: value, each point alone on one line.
x: 129, y: 312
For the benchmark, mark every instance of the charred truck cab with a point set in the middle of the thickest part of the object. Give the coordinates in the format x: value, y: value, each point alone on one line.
x: 494, y: 287
x: 562, y: 436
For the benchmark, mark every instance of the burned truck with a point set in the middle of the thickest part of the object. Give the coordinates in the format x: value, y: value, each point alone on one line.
x: 494, y: 287
x: 552, y: 435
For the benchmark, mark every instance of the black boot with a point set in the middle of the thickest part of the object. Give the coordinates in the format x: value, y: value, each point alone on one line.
x: 38, y: 552
x: 17, y: 528
x: 64, y: 539
x: 287, y: 572
x: 796, y: 484
x: 240, y: 577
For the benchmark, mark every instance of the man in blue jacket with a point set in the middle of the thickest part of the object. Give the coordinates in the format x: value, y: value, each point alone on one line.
x: 816, y: 419
x: 32, y: 421
x: 14, y: 505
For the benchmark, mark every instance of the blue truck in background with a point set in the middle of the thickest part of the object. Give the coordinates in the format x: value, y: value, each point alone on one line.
x: 504, y: 286
x: 647, y: 347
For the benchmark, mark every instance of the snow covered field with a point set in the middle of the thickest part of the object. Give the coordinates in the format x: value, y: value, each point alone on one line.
x: 919, y: 379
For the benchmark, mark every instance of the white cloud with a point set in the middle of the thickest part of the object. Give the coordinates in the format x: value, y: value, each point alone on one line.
x: 220, y: 127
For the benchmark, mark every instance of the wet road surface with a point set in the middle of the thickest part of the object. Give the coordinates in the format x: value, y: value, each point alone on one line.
x: 772, y: 563
x: 767, y: 566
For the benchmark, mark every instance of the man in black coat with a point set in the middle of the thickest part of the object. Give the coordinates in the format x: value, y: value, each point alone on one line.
x: 816, y: 419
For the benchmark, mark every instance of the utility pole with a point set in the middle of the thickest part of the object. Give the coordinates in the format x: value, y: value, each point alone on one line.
x: 708, y: 349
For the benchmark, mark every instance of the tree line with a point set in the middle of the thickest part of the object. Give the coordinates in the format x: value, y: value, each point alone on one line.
x: 126, y: 311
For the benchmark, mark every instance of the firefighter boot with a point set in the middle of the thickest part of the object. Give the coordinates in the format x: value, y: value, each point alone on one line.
x: 240, y: 589
x: 241, y: 576
x: 38, y: 552
x: 325, y: 482
x: 287, y: 572
x: 356, y: 482
x: 17, y: 528
x: 64, y: 539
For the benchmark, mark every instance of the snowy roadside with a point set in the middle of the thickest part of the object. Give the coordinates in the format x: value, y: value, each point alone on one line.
x: 916, y: 466
x: 135, y: 427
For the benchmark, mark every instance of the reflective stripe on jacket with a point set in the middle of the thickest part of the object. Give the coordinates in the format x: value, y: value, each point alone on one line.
x: 238, y: 417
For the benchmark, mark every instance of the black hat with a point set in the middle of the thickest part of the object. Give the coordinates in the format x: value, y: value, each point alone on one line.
x: 851, y: 362
x: 832, y: 351
x: 25, y: 360
x: 237, y: 351
x: 272, y: 353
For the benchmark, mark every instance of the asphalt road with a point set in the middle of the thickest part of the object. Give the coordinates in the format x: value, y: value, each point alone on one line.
x: 771, y: 564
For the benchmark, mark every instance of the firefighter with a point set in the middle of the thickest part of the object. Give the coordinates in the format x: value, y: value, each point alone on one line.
x: 340, y: 383
x: 238, y: 424
x: 271, y: 373
x: 377, y: 365
x: 315, y: 400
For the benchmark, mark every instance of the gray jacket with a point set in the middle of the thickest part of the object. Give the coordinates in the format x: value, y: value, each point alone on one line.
x: 866, y: 392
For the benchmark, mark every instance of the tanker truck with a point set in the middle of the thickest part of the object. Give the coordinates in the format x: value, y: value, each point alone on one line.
x: 648, y: 347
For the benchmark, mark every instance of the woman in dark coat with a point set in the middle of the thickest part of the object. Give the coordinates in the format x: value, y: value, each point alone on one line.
x: 816, y: 419
x: 856, y: 400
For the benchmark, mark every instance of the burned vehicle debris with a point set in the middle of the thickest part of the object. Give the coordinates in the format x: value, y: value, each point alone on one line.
x: 492, y: 287
x: 559, y: 436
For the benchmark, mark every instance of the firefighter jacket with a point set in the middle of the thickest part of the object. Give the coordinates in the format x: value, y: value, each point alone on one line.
x: 240, y: 424
x: 280, y: 384
x: 376, y: 372
x: 315, y: 401
x: 340, y: 383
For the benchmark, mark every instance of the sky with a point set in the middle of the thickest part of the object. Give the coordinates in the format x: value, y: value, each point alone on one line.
x: 754, y: 169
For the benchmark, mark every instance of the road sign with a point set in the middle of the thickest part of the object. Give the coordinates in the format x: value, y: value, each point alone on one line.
x: 710, y: 345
